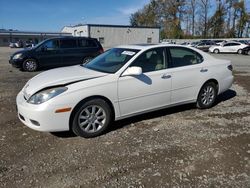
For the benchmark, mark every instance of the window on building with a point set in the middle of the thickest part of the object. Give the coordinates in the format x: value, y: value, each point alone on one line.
x: 101, y: 40
x: 149, y: 40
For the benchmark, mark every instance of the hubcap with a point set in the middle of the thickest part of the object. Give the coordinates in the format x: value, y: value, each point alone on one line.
x: 92, y: 118
x: 207, y: 95
x: 30, y: 65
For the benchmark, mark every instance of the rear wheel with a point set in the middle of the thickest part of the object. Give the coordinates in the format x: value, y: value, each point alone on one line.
x: 30, y: 65
x: 91, y: 118
x: 207, y: 95
x: 239, y: 51
x: 216, y: 51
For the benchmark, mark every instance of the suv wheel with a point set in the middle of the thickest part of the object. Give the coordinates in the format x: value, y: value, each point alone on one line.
x: 30, y: 65
x: 92, y: 118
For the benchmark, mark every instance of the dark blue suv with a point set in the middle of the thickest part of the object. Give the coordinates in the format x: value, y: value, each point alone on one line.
x: 57, y: 52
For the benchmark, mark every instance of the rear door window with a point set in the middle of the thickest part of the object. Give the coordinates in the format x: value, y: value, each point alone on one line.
x: 183, y: 57
x: 68, y: 43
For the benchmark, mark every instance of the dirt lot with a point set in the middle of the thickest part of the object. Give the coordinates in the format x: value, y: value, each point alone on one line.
x: 176, y: 147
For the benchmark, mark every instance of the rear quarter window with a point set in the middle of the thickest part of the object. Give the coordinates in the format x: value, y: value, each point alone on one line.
x: 87, y: 43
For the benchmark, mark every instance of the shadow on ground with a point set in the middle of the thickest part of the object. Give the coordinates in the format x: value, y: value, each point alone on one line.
x: 229, y: 94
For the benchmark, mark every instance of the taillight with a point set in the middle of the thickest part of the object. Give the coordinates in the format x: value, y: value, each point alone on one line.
x: 101, y: 50
x: 230, y: 67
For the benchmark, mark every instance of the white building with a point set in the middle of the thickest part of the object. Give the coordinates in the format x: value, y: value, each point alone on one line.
x: 114, y: 35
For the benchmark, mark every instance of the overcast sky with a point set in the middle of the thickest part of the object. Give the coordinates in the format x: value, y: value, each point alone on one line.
x: 52, y: 15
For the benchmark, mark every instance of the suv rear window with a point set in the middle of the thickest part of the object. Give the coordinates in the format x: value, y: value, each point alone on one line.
x: 87, y: 43
x: 68, y: 43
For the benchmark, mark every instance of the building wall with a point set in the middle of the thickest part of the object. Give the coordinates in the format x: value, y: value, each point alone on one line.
x: 110, y: 36
x: 114, y: 36
x: 81, y: 31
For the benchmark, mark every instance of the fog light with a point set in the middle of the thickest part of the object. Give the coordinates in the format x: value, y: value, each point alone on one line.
x: 36, y: 123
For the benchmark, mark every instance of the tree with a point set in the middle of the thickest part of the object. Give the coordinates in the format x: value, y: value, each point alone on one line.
x: 217, y: 21
x: 204, y: 5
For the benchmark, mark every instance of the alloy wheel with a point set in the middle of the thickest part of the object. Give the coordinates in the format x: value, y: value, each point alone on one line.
x: 208, y: 95
x: 92, y: 118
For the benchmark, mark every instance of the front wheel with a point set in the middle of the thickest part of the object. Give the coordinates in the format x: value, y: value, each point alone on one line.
x: 92, y: 118
x: 248, y: 52
x: 216, y: 51
x: 240, y: 51
x: 30, y: 65
x: 207, y: 95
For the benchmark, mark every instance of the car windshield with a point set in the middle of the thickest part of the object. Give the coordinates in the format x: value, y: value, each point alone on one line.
x: 112, y: 60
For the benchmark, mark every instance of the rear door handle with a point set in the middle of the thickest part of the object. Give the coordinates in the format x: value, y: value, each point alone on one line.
x: 203, y: 70
x: 166, y: 76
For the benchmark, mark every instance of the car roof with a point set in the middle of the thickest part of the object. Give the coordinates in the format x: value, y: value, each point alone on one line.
x: 148, y: 46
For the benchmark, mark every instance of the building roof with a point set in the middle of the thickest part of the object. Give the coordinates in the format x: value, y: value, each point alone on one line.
x: 14, y: 32
x: 118, y: 26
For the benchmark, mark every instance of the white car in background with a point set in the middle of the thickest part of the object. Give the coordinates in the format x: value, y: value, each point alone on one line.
x: 228, y: 47
x: 122, y: 82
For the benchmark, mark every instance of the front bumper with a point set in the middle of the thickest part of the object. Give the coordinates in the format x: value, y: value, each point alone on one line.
x: 16, y: 62
x: 41, y: 117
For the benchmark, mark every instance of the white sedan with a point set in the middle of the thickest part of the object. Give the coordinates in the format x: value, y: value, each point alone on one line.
x: 228, y: 47
x: 122, y: 82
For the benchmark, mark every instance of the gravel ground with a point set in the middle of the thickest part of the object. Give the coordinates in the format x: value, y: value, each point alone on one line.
x: 176, y: 147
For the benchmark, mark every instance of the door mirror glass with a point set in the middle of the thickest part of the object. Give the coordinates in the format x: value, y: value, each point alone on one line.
x: 133, y: 71
x: 43, y: 48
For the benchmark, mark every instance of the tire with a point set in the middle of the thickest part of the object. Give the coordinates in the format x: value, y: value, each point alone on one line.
x: 30, y: 65
x: 86, y: 60
x: 216, y: 51
x: 207, y: 95
x: 248, y: 52
x: 239, y: 51
x: 92, y: 118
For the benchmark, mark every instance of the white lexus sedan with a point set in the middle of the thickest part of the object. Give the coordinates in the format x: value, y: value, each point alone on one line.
x: 122, y: 82
x: 228, y: 47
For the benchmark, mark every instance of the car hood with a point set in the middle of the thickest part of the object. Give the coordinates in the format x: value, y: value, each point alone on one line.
x: 59, y: 77
x: 22, y: 51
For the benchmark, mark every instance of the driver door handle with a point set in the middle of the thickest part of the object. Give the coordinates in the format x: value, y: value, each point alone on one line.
x: 166, y: 76
x: 203, y: 70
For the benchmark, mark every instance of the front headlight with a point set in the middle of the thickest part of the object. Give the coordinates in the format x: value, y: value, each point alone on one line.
x: 45, y: 95
x: 17, y: 56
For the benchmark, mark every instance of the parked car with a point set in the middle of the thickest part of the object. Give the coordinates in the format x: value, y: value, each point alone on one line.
x: 122, y: 82
x: 204, y: 46
x: 18, y: 44
x: 56, y: 52
x: 228, y: 47
x: 29, y: 44
x: 246, y: 50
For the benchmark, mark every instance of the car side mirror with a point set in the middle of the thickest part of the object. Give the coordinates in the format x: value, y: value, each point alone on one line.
x: 43, y: 48
x: 132, y: 71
